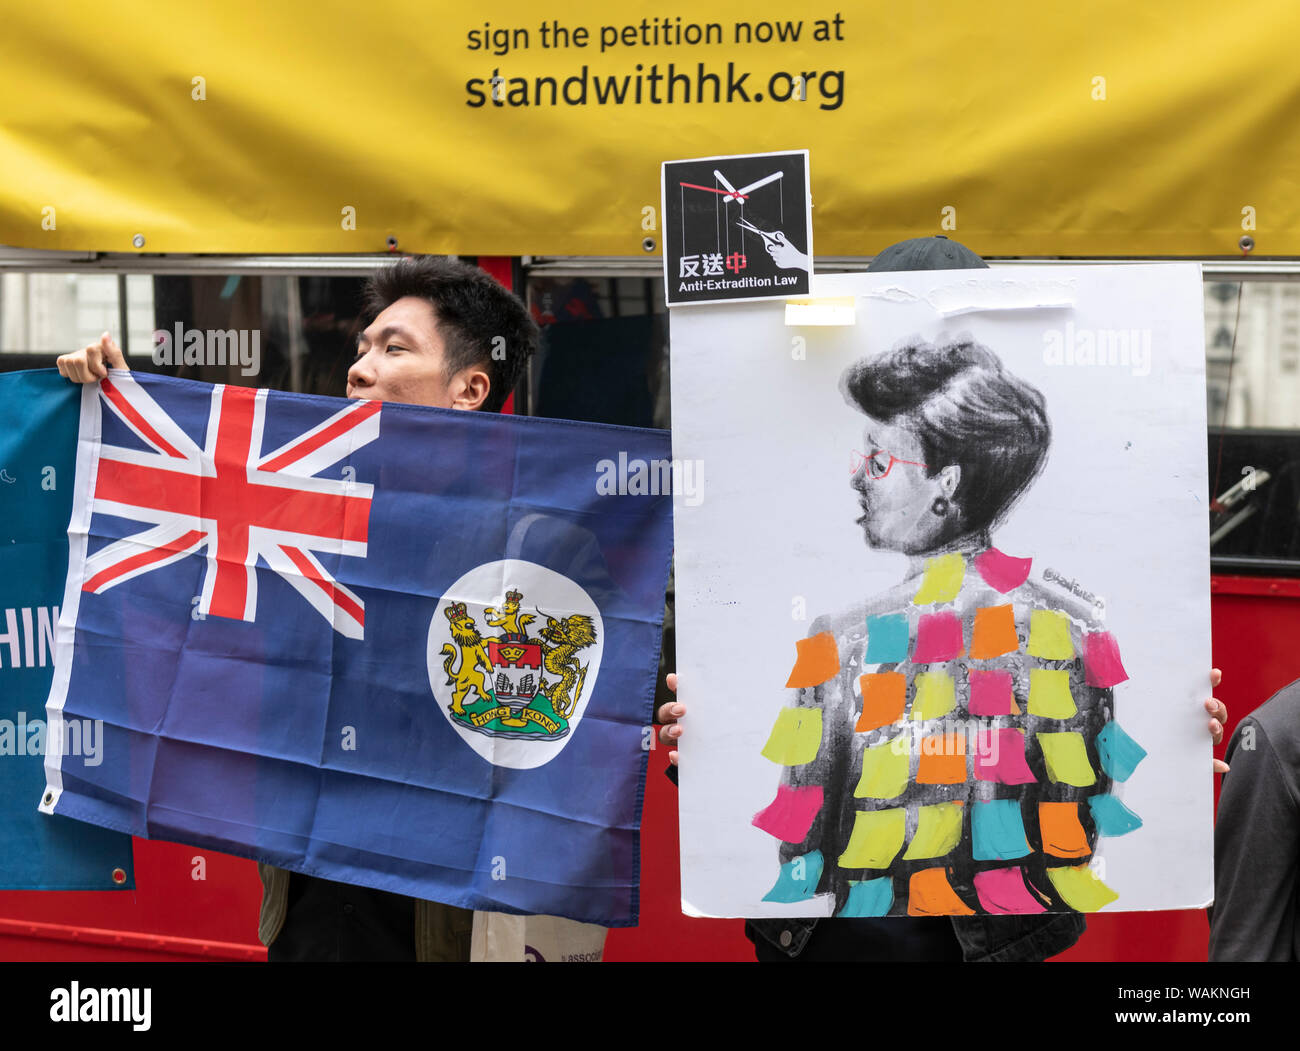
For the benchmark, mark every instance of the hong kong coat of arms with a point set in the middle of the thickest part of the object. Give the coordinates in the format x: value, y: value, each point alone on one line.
x: 513, y: 684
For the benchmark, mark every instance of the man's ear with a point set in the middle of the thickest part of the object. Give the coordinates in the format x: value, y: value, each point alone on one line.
x: 949, y: 477
x: 470, y: 388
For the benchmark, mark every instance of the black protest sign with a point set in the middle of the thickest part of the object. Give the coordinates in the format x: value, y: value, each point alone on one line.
x: 737, y: 228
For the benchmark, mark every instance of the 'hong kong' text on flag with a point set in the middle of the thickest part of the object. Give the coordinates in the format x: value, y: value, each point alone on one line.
x: 404, y: 647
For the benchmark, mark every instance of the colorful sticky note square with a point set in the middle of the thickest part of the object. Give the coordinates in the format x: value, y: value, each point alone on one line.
x: 938, y: 831
x: 936, y: 695
x: 1101, y: 663
x: 1111, y: 816
x: 1066, y: 757
x: 1119, y: 753
x: 1049, y: 694
x: 885, y: 769
x: 870, y: 897
x: 884, y: 696
x: 997, y: 830
x: 798, y: 878
x: 1000, y: 757
x: 817, y: 660
x: 887, y: 639
x: 1002, y: 572
x: 930, y: 894
x: 796, y: 737
x: 1080, y: 889
x: 942, y: 580
x: 1049, y: 635
x: 994, y: 632
x: 1004, y: 892
x: 1061, y: 831
x: 938, y: 638
x: 790, y: 815
x: 991, y: 693
x: 876, y: 839
x: 943, y: 760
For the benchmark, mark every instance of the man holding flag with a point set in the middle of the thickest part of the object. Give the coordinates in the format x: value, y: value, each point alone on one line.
x: 444, y: 334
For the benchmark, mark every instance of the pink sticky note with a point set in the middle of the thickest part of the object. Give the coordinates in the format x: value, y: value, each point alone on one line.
x: 990, y: 693
x: 790, y: 815
x: 938, y: 638
x: 1000, y: 757
x: 1101, y: 663
x: 1003, y: 891
x: 1002, y: 572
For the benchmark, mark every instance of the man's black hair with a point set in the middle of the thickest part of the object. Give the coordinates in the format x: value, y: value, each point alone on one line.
x: 966, y: 409
x: 475, y: 316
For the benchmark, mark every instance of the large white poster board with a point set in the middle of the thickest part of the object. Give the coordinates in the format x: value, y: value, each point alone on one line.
x: 946, y: 656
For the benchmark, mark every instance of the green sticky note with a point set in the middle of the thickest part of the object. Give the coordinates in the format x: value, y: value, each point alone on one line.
x: 1049, y: 636
x: 1067, y: 759
x: 1080, y: 889
x: 942, y: 580
x: 935, y: 695
x: 876, y: 839
x: 1049, y: 694
x: 938, y: 830
x: 796, y: 737
x: 884, y: 769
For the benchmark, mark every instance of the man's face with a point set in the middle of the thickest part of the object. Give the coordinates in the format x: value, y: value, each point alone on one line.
x: 401, y: 357
x: 894, y: 493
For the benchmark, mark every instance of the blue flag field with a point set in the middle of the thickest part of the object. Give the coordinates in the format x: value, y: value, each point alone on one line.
x: 403, y: 647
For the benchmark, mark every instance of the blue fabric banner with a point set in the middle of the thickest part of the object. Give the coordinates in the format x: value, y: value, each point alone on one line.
x: 404, y: 647
x: 38, y: 439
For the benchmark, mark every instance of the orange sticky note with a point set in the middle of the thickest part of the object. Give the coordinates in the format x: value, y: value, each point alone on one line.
x: 994, y: 632
x: 818, y: 660
x: 943, y: 760
x: 884, y: 695
x: 930, y: 894
x: 1062, y: 832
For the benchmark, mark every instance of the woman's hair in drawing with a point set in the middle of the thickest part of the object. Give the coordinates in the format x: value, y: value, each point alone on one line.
x: 966, y: 410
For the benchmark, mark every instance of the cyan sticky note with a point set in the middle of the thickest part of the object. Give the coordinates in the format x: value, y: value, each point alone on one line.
x: 997, y: 830
x: 887, y: 639
x: 870, y: 897
x: 798, y: 879
x: 1111, y: 816
x: 1119, y: 753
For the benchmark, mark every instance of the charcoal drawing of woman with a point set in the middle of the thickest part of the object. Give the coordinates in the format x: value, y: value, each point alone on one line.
x: 950, y: 747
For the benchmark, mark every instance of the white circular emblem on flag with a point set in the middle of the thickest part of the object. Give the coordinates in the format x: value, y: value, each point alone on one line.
x: 514, y: 651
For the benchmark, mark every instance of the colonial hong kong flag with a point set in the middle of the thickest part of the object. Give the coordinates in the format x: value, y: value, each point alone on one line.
x: 403, y: 647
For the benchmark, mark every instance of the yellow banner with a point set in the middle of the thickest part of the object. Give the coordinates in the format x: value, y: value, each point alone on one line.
x: 1109, y: 127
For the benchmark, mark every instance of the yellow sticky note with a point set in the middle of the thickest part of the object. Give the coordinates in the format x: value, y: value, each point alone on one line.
x: 1049, y: 636
x: 884, y: 769
x: 876, y: 839
x: 1082, y: 890
x: 935, y: 695
x: 796, y: 736
x: 1067, y: 759
x: 1049, y: 694
x: 938, y: 830
x: 942, y: 580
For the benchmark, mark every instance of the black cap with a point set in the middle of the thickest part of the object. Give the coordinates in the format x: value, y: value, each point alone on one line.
x: 927, y: 253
